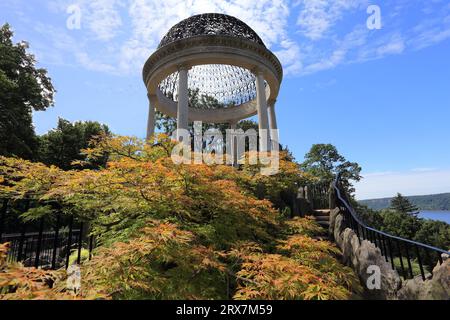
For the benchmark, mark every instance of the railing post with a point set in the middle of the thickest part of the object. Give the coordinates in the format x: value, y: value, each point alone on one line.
x: 309, y: 197
x: 357, y: 227
x: 440, y: 258
x: 383, y: 240
x: 3, y: 217
x: 430, y: 266
x: 91, y: 246
x: 55, y: 240
x: 380, y: 243
x: 420, y: 263
x: 369, y: 237
x: 80, y: 243
x: 375, y: 239
x: 69, y: 241
x: 39, y: 243
x: 332, y: 197
x: 401, y: 259
x: 390, y: 253
x: 408, y: 259
x: 21, y: 242
x: 22, y: 235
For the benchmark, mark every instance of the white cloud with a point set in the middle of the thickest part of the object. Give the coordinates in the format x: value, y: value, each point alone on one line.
x: 103, y: 18
x: 395, y: 46
x: 317, y: 17
x: 423, y: 169
x: 88, y: 63
x: 415, y: 182
x: 354, y: 39
x: 290, y: 56
x: 118, y: 35
x: 151, y: 20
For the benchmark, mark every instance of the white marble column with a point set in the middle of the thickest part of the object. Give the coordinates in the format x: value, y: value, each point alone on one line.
x: 234, y: 155
x: 151, y: 116
x: 183, y: 100
x: 274, y: 137
x: 272, y: 115
x: 263, y: 120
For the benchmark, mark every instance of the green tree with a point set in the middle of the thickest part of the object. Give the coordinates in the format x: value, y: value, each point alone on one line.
x: 401, y: 220
x: 370, y: 217
x: 435, y: 233
x: 402, y: 204
x: 400, y: 224
x: 247, y: 125
x: 63, y: 145
x: 23, y: 88
x: 325, y: 162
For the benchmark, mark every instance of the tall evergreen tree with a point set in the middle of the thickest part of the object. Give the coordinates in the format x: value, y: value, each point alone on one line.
x: 402, y: 204
x: 324, y: 161
x: 23, y: 88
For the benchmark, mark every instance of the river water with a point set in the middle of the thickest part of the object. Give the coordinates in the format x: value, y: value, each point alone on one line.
x: 436, y: 215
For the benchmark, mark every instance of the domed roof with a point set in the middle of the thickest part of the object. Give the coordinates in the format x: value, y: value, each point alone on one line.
x: 210, y: 24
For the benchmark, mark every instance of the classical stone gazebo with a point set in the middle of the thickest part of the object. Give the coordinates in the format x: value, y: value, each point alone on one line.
x: 218, y: 57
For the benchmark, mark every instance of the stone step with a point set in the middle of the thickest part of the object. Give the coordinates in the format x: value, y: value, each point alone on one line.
x: 324, y: 224
x: 322, y: 218
x: 322, y: 212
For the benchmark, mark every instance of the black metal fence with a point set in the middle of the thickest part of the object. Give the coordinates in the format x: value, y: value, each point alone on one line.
x: 47, y: 243
x: 410, y: 258
x: 320, y: 195
x: 317, y: 194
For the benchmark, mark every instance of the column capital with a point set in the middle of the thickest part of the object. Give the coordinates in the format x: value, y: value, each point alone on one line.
x: 233, y: 124
x: 257, y: 71
x: 182, y: 67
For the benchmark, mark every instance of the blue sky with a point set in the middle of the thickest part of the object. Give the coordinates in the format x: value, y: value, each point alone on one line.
x: 381, y: 96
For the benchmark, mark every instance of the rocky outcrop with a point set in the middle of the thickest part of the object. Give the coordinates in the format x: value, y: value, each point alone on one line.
x: 368, y: 255
x: 366, y: 260
x: 435, y: 288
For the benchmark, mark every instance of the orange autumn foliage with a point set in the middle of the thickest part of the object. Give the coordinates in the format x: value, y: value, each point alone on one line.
x: 20, y: 283
x: 171, y: 231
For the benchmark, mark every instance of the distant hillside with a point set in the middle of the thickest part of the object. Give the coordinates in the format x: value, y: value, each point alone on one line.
x: 430, y: 202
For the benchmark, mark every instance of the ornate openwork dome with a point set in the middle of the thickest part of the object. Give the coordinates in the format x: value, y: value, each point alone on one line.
x: 214, y: 86
x: 213, y: 24
x: 212, y: 68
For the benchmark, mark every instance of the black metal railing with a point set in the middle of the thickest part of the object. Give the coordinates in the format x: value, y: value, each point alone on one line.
x: 46, y: 243
x: 317, y: 194
x: 320, y: 195
x: 408, y: 257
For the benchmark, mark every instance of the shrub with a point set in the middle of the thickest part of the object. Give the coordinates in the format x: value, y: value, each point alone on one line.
x: 182, y: 231
x: 20, y: 283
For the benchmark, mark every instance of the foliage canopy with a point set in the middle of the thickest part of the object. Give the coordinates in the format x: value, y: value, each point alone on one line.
x: 171, y: 231
x: 23, y: 88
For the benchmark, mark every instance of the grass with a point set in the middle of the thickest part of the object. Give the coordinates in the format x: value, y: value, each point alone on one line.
x: 74, y: 256
x: 414, y: 265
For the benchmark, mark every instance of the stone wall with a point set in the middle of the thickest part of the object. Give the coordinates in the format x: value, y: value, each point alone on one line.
x: 360, y: 255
